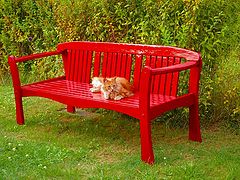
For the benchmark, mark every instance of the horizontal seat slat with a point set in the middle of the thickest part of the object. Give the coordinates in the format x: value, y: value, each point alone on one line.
x: 80, y: 91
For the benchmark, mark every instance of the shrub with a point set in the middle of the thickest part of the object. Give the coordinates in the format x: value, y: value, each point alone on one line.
x: 211, y: 27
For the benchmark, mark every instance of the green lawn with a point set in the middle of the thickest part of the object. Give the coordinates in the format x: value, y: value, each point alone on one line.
x: 100, y: 144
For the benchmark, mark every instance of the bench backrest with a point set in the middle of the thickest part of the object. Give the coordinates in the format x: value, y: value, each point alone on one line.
x: 84, y: 60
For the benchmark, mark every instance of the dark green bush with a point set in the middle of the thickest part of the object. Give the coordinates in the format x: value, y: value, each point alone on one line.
x: 209, y: 26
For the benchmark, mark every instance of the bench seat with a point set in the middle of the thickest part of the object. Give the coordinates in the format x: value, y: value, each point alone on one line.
x: 78, y: 94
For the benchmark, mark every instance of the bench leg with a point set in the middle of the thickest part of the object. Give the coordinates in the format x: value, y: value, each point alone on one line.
x: 19, y: 110
x: 70, y: 109
x: 146, y: 141
x: 194, y: 123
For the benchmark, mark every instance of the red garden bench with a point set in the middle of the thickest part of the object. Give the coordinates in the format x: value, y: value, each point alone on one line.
x: 153, y: 70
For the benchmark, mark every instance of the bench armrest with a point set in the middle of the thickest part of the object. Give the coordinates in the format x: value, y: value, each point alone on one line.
x: 36, y: 56
x: 12, y: 61
x: 148, y: 73
x: 173, y: 68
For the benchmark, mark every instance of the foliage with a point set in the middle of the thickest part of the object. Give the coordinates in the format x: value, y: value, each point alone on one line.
x: 208, y: 26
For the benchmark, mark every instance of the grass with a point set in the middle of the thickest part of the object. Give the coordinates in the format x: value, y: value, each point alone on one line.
x: 99, y: 144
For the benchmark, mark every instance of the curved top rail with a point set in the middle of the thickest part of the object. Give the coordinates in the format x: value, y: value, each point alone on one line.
x: 140, y: 49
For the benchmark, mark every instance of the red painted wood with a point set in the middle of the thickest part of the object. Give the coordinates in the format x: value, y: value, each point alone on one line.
x: 157, y: 78
x: 123, y: 65
x: 39, y: 55
x: 76, y: 68
x: 67, y: 64
x: 153, y: 50
x: 155, y: 83
x: 169, y: 78
x: 104, y: 65
x: 109, y: 64
x: 137, y: 72
x: 81, y: 64
x: 70, y: 109
x: 119, y: 64
x: 128, y: 67
x: 89, y: 67
x: 145, y: 121
x: 97, y: 61
x: 175, y: 79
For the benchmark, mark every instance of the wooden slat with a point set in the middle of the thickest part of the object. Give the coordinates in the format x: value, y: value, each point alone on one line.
x: 76, y: 66
x: 153, y: 65
x: 84, y: 67
x: 89, y: 67
x: 109, y: 64
x: 137, y: 71
x: 148, y: 61
x: 175, y: 79
x: 119, y: 64
x: 113, y: 65
x: 72, y: 65
x: 104, y: 64
x: 97, y: 61
x: 157, y: 77
x: 169, y: 78
x: 163, y: 77
x: 123, y: 65
x: 68, y: 63
x: 128, y: 67
x: 80, y: 66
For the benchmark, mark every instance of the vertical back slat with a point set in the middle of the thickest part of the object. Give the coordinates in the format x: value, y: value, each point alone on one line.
x: 104, y: 64
x: 72, y: 66
x: 67, y: 69
x: 97, y: 61
x: 123, y: 65
x: 109, y: 64
x: 84, y: 66
x: 153, y: 65
x: 137, y: 71
x: 163, y: 77
x: 119, y: 64
x: 148, y: 61
x: 128, y: 67
x: 113, y: 65
x: 169, y: 78
x: 76, y: 68
x: 89, y: 65
x: 157, y: 77
x: 80, y: 65
x: 175, y: 78
x: 70, y: 56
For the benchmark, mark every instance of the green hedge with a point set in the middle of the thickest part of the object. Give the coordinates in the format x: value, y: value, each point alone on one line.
x: 209, y: 26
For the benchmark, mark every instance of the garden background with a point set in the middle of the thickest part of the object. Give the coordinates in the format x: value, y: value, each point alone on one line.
x: 211, y: 27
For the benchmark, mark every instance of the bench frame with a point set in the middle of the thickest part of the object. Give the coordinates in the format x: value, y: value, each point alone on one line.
x: 147, y: 72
